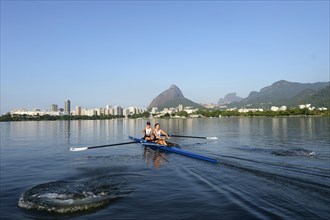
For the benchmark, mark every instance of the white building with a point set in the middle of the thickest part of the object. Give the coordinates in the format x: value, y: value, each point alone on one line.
x: 308, y: 106
x: 117, y: 110
x: 78, y: 110
x: 210, y: 106
x: 126, y: 112
x: 283, y: 108
x: 34, y: 112
x: 154, y: 110
x: 168, y: 111
x: 53, y: 108
x: 141, y: 110
x: 88, y: 112
x: 130, y: 111
x: 274, y: 108
x: 245, y: 110
x: 99, y: 111
x: 190, y: 109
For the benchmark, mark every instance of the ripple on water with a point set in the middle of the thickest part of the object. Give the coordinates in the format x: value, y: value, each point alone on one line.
x: 70, y: 197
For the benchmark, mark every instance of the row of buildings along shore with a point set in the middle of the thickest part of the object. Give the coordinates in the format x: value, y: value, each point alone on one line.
x: 276, y: 109
x: 119, y: 111
x: 79, y: 111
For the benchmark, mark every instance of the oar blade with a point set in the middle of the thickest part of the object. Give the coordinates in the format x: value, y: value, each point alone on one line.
x: 212, y: 138
x: 78, y: 148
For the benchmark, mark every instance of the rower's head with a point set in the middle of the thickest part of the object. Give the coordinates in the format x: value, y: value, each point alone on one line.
x: 157, y: 125
x: 148, y: 124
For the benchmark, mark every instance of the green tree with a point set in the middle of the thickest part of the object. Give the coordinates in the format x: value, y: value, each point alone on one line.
x: 167, y: 115
x: 6, y: 117
x: 183, y: 114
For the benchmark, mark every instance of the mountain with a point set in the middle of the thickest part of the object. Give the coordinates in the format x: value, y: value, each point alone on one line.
x: 229, y: 98
x: 172, y: 97
x: 319, y: 98
x: 284, y: 93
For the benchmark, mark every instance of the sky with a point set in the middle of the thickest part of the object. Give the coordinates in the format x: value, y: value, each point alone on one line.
x: 98, y: 53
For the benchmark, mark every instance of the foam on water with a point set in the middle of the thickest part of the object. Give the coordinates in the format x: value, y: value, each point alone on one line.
x: 281, y: 152
x: 295, y: 152
x: 68, y: 197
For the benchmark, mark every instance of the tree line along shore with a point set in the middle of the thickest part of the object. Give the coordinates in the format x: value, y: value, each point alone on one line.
x: 183, y: 114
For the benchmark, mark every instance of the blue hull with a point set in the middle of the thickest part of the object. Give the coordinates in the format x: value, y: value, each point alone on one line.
x: 173, y: 150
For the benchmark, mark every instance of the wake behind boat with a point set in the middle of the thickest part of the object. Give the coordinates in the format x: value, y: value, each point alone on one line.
x: 173, y: 149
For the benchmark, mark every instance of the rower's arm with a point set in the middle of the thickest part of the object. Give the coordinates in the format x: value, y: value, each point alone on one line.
x: 164, y: 133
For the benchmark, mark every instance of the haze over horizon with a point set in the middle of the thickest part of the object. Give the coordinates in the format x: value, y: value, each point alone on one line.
x: 126, y: 53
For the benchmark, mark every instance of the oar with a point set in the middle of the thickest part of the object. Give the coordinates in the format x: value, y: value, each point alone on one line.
x: 107, y: 145
x: 210, y: 138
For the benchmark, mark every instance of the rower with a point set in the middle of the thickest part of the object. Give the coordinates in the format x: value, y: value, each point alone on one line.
x: 148, y: 133
x: 158, y: 132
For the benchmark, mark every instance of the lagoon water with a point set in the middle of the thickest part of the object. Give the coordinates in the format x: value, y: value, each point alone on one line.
x: 270, y: 168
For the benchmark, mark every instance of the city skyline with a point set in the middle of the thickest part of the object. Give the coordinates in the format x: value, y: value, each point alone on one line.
x: 67, y: 105
x: 57, y: 107
x: 178, y: 111
x: 126, y: 53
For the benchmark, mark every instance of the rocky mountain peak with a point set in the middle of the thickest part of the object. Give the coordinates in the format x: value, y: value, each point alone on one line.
x: 173, y: 91
x: 171, y: 98
x: 229, y: 98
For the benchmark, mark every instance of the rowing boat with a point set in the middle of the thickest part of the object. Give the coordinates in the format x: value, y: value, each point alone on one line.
x: 173, y: 149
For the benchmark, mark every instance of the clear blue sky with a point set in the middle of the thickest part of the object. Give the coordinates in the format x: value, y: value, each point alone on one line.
x: 126, y: 53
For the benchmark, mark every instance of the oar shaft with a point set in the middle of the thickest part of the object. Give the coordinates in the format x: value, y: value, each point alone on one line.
x: 110, y: 145
x: 185, y: 136
x: 173, y: 135
x: 93, y: 147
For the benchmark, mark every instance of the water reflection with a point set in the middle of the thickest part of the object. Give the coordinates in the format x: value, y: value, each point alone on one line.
x: 264, y: 131
x: 285, y: 128
x: 275, y: 127
x: 155, y: 157
x: 306, y: 127
x: 67, y: 131
x: 78, y: 127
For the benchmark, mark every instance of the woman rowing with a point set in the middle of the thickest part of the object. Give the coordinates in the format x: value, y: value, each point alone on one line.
x: 148, y: 133
x: 158, y: 132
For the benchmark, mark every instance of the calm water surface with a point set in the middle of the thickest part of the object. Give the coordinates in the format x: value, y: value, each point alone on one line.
x: 270, y: 168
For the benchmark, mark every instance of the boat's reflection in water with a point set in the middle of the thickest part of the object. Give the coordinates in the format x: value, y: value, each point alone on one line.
x: 154, y: 157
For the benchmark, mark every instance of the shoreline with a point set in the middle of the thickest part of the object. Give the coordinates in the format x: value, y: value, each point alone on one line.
x: 170, y: 118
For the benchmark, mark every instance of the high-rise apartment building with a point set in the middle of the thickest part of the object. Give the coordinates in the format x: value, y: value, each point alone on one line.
x: 117, y: 110
x: 67, y: 108
x: 78, y: 110
x: 53, y: 108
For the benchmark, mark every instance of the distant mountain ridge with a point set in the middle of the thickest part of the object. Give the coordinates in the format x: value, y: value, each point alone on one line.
x: 287, y: 93
x: 229, y: 98
x: 282, y: 92
x: 320, y: 98
x: 172, y: 97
